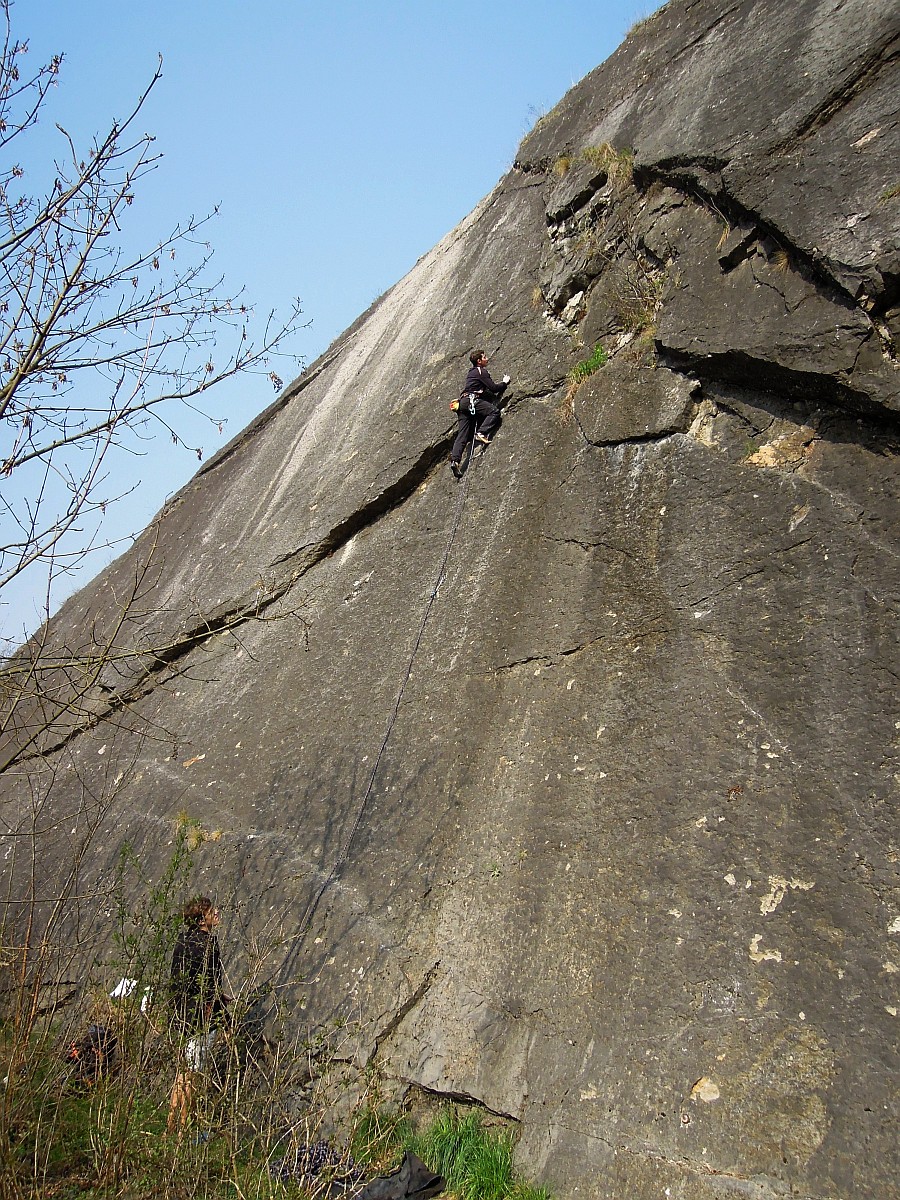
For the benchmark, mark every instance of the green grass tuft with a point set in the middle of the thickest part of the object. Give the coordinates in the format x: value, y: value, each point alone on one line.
x: 581, y: 371
x: 475, y: 1161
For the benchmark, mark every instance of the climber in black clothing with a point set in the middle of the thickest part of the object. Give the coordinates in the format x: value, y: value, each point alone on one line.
x: 473, y: 411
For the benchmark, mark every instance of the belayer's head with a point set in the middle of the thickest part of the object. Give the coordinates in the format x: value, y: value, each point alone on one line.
x: 477, y: 358
x: 200, y: 911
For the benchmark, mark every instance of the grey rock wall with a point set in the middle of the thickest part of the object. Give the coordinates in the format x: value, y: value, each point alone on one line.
x: 574, y: 784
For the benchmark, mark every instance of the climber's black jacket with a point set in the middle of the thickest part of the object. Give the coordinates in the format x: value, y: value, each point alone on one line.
x: 478, y: 381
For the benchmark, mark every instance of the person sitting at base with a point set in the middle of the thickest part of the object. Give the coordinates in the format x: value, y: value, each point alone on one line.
x: 198, y: 1002
x: 474, y: 413
x: 94, y: 1055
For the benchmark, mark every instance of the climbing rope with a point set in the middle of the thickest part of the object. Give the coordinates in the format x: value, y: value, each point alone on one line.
x: 429, y: 604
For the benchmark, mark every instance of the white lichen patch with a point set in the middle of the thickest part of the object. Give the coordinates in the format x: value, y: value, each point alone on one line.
x: 779, y: 889
x: 758, y: 956
x: 706, y: 1090
x: 866, y: 138
x: 798, y: 516
x: 788, y: 450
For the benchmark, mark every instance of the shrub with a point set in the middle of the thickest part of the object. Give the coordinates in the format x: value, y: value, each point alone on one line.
x: 67, y: 1133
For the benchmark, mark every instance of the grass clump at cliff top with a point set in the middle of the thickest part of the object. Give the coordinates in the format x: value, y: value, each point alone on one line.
x: 644, y: 19
x: 618, y: 164
x: 475, y: 1161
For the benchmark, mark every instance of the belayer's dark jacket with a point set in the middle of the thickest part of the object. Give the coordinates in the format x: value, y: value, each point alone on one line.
x: 197, y: 979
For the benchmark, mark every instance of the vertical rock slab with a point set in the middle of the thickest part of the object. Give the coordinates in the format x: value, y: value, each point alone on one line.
x: 572, y: 786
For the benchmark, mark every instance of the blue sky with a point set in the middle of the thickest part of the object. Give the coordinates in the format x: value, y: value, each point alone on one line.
x: 340, y: 141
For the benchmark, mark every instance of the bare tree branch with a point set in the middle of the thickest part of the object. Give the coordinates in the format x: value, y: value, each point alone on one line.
x: 99, y: 346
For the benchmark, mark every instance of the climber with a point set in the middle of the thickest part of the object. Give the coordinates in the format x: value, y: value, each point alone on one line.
x: 473, y: 411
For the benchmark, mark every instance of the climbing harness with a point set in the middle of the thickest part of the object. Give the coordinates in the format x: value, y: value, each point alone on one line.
x: 472, y: 398
x: 429, y: 604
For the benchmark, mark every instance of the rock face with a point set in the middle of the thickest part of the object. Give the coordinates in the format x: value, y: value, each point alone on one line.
x: 574, y: 783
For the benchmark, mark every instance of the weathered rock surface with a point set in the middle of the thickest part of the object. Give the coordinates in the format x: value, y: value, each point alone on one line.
x: 589, y: 763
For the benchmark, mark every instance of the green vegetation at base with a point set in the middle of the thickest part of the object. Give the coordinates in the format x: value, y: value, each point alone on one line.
x: 88, y: 1151
x: 68, y: 1133
x: 475, y: 1160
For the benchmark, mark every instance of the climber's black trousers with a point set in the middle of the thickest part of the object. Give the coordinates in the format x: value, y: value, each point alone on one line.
x: 487, y: 419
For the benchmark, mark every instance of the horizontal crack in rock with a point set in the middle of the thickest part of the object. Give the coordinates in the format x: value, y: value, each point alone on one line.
x: 153, y: 665
x: 656, y: 626
x: 460, y: 1098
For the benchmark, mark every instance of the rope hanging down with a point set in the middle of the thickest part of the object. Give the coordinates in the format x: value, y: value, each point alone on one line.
x: 429, y: 604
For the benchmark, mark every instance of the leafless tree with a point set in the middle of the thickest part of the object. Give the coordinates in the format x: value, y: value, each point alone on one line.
x: 100, y: 347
